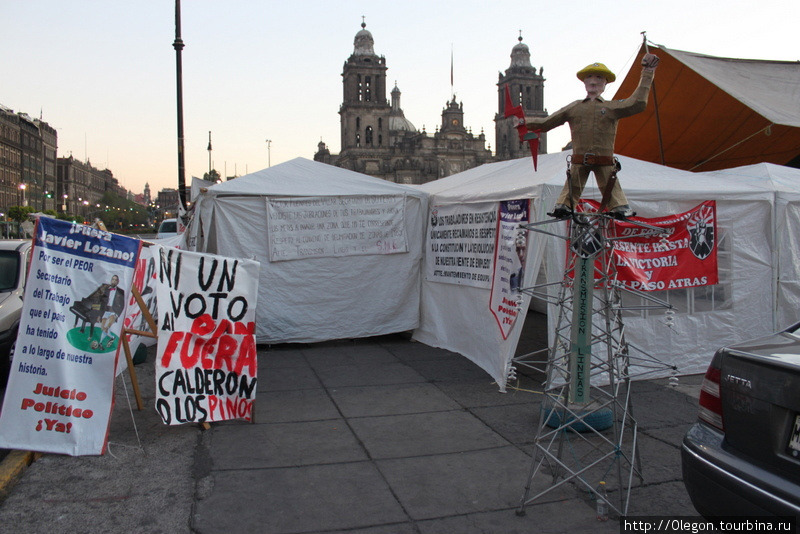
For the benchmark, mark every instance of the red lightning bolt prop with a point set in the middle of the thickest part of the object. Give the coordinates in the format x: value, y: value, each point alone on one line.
x: 532, y: 137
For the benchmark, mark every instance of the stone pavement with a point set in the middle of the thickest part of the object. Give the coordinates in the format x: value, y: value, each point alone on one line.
x: 372, y: 436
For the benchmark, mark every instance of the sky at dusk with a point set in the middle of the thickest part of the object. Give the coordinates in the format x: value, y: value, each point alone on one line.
x: 103, y: 72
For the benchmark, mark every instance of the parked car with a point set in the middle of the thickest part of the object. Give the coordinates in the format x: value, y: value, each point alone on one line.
x: 14, y: 261
x: 167, y: 228
x: 742, y: 456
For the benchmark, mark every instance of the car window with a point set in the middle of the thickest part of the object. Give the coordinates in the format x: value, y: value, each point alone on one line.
x: 9, y: 269
x: 168, y: 226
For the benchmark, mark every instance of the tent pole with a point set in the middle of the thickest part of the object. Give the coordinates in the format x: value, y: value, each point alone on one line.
x: 655, y: 101
x: 658, y: 125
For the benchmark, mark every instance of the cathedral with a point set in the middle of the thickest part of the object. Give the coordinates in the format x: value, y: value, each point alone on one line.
x: 378, y: 140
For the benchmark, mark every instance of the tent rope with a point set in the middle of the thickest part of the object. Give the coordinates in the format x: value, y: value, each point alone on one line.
x: 770, y: 125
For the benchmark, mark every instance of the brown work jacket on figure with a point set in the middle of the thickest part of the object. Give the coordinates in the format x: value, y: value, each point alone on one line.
x: 593, y: 123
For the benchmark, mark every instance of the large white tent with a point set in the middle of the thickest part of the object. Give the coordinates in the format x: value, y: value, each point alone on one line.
x: 340, y: 251
x: 784, y: 184
x: 741, y: 306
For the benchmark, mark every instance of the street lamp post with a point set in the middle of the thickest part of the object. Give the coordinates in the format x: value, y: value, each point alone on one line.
x: 269, y: 153
x: 24, y: 198
x: 178, y: 46
x: 209, y: 153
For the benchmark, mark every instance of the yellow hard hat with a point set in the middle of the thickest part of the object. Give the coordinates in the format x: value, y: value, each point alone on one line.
x: 596, y: 68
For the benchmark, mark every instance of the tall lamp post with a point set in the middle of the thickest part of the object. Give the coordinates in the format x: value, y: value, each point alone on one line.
x: 178, y: 46
x: 269, y: 153
x: 209, y: 153
x: 24, y: 198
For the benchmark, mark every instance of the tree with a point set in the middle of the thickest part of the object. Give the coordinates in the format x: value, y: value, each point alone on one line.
x: 20, y: 213
x: 212, y: 176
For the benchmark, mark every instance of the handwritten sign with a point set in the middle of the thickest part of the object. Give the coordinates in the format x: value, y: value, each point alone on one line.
x: 461, y: 244
x: 206, y: 369
x: 319, y: 227
x: 60, y: 390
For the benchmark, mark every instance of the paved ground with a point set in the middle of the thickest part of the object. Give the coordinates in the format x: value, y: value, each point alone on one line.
x: 374, y: 436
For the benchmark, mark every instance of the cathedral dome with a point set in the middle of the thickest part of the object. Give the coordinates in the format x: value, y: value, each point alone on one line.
x: 363, y: 43
x: 400, y: 123
x: 521, y: 55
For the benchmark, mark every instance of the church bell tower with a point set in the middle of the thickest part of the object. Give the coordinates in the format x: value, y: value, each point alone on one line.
x: 527, y: 90
x: 365, y: 109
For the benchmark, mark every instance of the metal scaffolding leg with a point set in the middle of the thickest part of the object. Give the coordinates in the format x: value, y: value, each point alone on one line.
x: 587, y: 431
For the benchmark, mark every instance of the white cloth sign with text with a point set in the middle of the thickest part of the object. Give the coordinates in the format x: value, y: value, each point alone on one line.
x: 320, y: 227
x: 461, y: 244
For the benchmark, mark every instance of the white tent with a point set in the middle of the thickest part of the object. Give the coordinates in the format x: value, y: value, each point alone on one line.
x: 739, y: 307
x: 340, y: 251
x: 784, y: 184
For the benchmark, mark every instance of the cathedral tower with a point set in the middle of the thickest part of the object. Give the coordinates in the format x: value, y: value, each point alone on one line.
x: 365, y: 110
x: 527, y: 90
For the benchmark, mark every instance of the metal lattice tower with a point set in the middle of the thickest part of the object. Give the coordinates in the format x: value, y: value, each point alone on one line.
x: 587, y: 430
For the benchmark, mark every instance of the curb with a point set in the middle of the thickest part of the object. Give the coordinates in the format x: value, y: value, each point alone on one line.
x: 12, y: 467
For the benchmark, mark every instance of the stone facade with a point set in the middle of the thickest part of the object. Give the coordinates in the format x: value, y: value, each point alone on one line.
x: 378, y: 140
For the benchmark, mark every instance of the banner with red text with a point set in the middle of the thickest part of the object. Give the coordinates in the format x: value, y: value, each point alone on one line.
x: 509, y: 264
x: 206, y: 367
x: 144, y: 280
x: 60, y: 391
x: 685, y: 257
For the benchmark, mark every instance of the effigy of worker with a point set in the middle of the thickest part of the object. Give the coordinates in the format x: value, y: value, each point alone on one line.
x: 593, y: 125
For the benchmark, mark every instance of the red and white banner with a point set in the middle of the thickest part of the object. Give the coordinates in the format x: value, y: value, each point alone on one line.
x: 206, y: 368
x: 685, y: 257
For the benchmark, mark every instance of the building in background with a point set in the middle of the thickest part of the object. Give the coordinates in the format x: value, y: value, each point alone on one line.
x: 377, y: 139
x: 166, y: 204
x: 80, y: 188
x: 526, y: 87
x: 10, y: 159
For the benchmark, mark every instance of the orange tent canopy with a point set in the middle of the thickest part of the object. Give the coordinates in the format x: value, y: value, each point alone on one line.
x: 708, y: 113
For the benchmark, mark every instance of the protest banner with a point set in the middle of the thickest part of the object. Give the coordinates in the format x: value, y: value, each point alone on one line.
x: 509, y: 264
x: 460, y: 244
x: 685, y: 256
x: 206, y: 366
x: 60, y: 391
x: 319, y: 227
x: 144, y: 279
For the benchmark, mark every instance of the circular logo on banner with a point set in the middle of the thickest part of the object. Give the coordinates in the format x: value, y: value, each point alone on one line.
x: 701, y: 233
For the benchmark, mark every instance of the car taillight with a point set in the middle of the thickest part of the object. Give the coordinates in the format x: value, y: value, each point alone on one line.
x: 710, y: 403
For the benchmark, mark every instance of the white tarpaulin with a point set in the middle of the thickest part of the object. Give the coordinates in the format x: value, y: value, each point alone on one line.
x: 739, y: 307
x: 318, y: 290
x: 784, y: 184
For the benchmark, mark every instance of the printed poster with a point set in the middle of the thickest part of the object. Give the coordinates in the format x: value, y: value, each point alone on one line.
x: 60, y: 391
x: 206, y: 366
x: 460, y: 244
x: 509, y: 264
x: 320, y: 227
